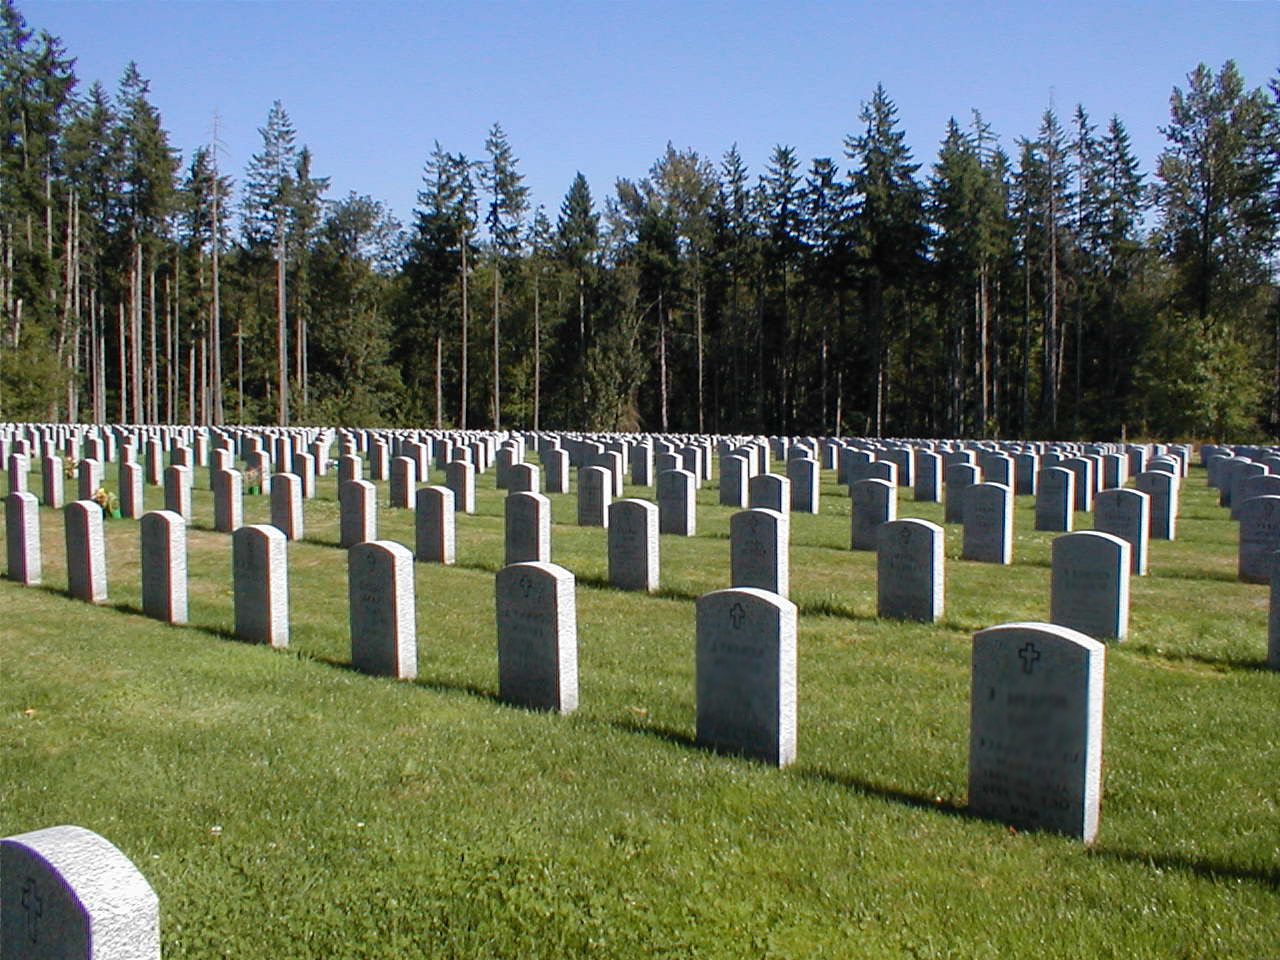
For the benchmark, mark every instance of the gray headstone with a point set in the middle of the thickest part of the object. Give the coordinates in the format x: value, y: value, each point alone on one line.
x: 1035, y: 727
x: 66, y: 892
x: 677, y: 507
x: 177, y: 491
x: 996, y: 468
x: 22, y: 537
x: 528, y: 528
x: 261, y: 584
x: 1083, y: 468
x: 434, y: 525
x: 928, y: 488
x: 460, y: 477
x: 1126, y: 514
x: 958, y: 476
x: 909, y: 570
x: 163, y: 536
x: 746, y: 674
x: 595, y: 491
x: 1089, y: 584
x: 304, y: 468
x: 89, y: 474
x: 131, y: 490
x: 228, y: 500
x: 769, y: 491
x: 350, y: 467
x: 18, y: 466
x: 537, y: 636
x: 633, y: 545
x: 555, y: 464
x: 1055, y: 499
x: 642, y: 465
x: 286, y: 504
x: 735, y: 471
x: 86, y: 556
x: 51, y: 474
x: 524, y: 478
x: 758, y: 551
x: 1259, y: 538
x: 988, y: 523
x: 1026, y: 466
x: 404, y: 482
x: 380, y: 591
x: 804, y: 475
x: 357, y: 512
x: 871, y: 503
x: 1163, y: 491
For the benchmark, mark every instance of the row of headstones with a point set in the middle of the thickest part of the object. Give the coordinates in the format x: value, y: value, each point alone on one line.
x: 1248, y: 483
x: 1035, y: 751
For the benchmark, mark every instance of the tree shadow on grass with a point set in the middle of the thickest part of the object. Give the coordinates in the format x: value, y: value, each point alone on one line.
x: 426, y: 683
x: 1253, y: 664
x: 1206, y: 868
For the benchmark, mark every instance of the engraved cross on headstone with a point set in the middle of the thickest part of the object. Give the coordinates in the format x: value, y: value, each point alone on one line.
x: 737, y: 615
x: 526, y: 585
x: 1029, y: 655
x: 33, y: 904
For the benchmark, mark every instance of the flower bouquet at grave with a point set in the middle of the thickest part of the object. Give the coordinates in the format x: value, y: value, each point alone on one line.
x: 108, y: 501
x: 253, y: 480
x: 69, y: 468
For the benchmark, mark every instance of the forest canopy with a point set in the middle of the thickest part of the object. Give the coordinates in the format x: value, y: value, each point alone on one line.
x: 1048, y: 288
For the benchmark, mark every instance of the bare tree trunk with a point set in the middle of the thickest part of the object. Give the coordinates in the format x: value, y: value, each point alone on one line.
x: 124, y: 366
x: 497, y: 297
x: 282, y: 341
x: 537, y: 350
x: 462, y: 402
x: 662, y: 358
x: 439, y: 383
x: 138, y: 399
x: 215, y: 325
x: 153, y: 375
x: 697, y: 310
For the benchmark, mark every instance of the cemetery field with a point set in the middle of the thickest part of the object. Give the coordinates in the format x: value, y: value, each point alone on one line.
x: 284, y: 805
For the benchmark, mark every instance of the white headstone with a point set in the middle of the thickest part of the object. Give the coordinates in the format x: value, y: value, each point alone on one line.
x: 871, y: 503
x: 1259, y: 538
x: 537, y: 636
x: 988, y: 523
x: 380, y: 591
x: 677, y: 507
x: 1089, y: 584
x: 746, y: 674
x: 460, y: 477
x: 803, y: 473
x: 261, y: 584
x: 1035, y: 727
x: 357, y: 512
x: 66, y: 892
x: 909, y: 570
x: 769, y: 491
x: 595, y: 491
x: 86, y: 556
x: 1126, y: 514
x: 434, y: 525
x: 286, y: 504
x: 1055, y: 499
x: 633, y: 545
x: 22, y: 537
x: 758, y: 551
x: 163, y: 536
x: 228, y: 500
x: 527, y: 520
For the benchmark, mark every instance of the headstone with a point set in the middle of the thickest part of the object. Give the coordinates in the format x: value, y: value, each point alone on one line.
x: 909, y: 570
x: 163, y: 535
x: 988, y: 523
x: 304, y: 468
x: 177, y: 491
x: 86, y: 556
x: 404, y: 481
x: 528, y: 528
x: 928, y: 488
x: 996, y: 468
x: 958, y: 476
x: 350, y: 467
x: 67, y: 892
x: 804, y: 475
x: 537, y: 636
x: 595, y: 491
x: 769, y: 491
x: 1126, y: 514
x: 746, y: 674
x: 286, y: 504
x: 460, y: 477
x: 1163, y: 491
x: 1240, y: 476
x: 633, y: 545
x: 1089, y: 584
x: 642, y: 465
x: 871, y: 503
x: 1259, y: 533
x: 735, y: 471
x: 434, y: 525
x: 556, y: 465
x: 22, y: 537
x: 758, y: 551
x: 261, y: 584
x: 89, y: 474
x: 523, y: 478
x: 1055, y: 499
x: 677, y: 508
x: 228, y: 500
x: 18, y: 466
x: 1083, y: 468
x: 380, y: 592
x: 1026, y: 467
x: 53, y: 482
x: 1035, y: 727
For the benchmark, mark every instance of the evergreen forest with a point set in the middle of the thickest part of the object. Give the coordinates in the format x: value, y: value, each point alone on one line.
x: 1042, y: 285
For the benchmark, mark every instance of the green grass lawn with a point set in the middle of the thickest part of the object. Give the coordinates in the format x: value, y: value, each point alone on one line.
x: 283, y: 805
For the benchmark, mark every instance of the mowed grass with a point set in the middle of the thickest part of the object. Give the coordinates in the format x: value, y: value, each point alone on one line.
x: 284, y: 805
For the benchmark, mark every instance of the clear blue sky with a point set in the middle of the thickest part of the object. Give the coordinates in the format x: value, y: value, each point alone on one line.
x: 602, y: 86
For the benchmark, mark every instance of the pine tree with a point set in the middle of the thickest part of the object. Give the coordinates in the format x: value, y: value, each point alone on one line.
x: 508, y: 201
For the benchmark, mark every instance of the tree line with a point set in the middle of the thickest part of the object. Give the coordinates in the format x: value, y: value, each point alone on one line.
x: 1056, y: 289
